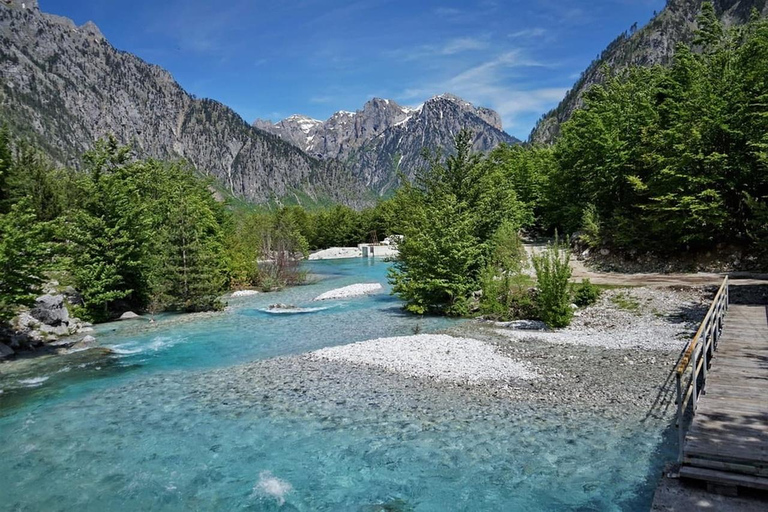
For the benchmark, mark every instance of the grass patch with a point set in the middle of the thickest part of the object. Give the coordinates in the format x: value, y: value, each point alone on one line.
x: 626, y: 302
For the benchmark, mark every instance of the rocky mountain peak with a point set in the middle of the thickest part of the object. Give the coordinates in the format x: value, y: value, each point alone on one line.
x: 65, y: 86
x: 370, y: 138
x: 89, y: 28
x: 22, y: 4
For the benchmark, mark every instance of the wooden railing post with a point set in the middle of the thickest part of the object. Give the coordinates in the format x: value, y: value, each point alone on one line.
x: 694, y: 379
x: 701, y: 349
x: 680, y: 417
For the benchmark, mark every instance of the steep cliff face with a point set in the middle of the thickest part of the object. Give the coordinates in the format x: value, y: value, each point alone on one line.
x: 383, y: 136
x: 653, y: 44
x: 66, y: 86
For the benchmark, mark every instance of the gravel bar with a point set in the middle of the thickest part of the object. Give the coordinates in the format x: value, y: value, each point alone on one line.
x: 353, y: 290
x: 434, y: 356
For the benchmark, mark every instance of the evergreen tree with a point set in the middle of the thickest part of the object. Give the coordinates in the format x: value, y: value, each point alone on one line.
x: 25, y: 255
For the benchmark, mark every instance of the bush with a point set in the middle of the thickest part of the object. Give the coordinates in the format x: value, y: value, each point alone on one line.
x: 504, y: 285
x: 590, y: 227
x: 553, y: 271
x: 586, y: 294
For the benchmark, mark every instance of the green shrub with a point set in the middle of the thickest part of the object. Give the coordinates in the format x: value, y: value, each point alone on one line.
x: 586, y: 294
x: 590, y: 226
x: 553, y: 271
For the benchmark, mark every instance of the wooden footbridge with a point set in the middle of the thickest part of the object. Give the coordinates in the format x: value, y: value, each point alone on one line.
x: 722, y: 379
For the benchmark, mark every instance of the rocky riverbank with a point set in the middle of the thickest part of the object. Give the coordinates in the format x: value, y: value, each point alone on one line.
x: 483, y: 364
x: 44, y: 324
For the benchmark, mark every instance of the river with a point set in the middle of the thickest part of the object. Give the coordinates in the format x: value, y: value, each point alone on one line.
x: 128, y: 432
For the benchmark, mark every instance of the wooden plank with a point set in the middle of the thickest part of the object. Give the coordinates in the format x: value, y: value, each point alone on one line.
x: 728, y: 437
x: 734, y: 393
x: 736, y: 453
x: 726, y: 466
x: 721, y: 477
x: 754, y: 407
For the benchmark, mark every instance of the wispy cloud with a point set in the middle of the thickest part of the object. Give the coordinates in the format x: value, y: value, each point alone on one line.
x: 445, y: 49
x: 489, y: 84
x: 529, y: 33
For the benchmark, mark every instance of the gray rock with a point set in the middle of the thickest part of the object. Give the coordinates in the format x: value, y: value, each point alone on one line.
x: 526, y: 325
x: 25, y: 322
x: 50, y: 310
x: 5, y: 351
x: 129, y: 315
x: 73, y: 296
x: 85, y: 343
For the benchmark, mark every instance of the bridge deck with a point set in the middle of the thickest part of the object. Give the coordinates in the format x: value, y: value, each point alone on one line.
x: 727, y: 443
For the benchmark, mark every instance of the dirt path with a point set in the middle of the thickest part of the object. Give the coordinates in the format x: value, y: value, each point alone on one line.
x: 581, y: 271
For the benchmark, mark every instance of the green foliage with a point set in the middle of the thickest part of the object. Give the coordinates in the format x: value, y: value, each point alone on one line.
x: 25, y: 254
x: 553, y: 271
x: 504, y: 286
x: 590, y: 226
x: 586, y: 294
x: 626, y: 302
x: 439, y: 257
x: 671, y: 159
x: 450, y: 215
x: 143, y: 235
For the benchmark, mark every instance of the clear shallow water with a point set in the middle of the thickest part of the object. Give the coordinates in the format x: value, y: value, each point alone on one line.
x: 127, y: 434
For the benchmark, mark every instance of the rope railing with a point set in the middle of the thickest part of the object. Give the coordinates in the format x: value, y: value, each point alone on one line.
x: 691, y: 371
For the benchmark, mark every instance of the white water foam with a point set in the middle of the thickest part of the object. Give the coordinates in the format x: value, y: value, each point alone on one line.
x: 293, y: 311
x: 33, y: 382
x: 270, y: 486
x: 157, y: 344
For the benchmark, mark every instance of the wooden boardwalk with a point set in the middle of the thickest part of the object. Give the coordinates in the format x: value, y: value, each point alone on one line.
x: 727, y: 442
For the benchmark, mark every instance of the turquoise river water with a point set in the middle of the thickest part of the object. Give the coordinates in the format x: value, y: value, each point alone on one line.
x: 80, y: 433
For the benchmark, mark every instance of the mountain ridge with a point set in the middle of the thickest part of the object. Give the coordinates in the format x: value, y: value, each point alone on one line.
x: 369, y: 140
x: 652, y: 44
x: 65, y: 86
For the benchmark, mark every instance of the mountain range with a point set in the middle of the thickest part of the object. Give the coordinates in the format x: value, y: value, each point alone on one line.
x: 652, y: 44
x: 64, y: 86
x: 384, y: 136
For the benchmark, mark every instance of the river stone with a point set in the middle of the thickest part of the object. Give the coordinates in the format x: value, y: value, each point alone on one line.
x: 26, y: 322
x: 86, y: 342
x: 129, y: 315
x: 51, y: 310
x: 5, y: 351
x: 244, y: 293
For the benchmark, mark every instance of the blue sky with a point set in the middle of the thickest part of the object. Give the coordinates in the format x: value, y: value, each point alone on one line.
x: 271, y: 59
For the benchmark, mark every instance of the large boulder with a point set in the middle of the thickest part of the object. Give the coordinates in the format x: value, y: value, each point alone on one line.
x: 51, y: 310
x: 129, y: 315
